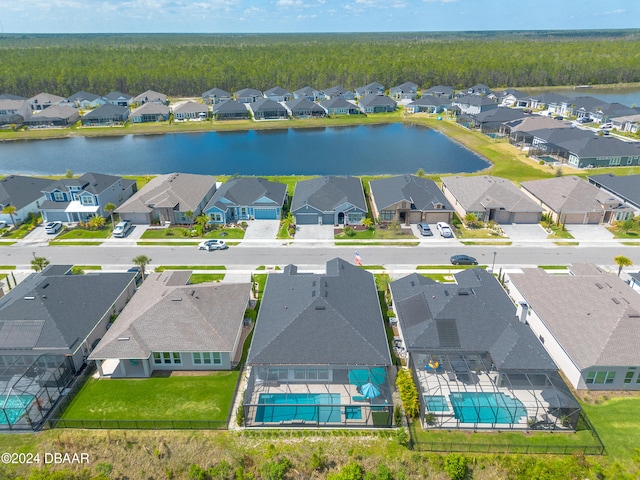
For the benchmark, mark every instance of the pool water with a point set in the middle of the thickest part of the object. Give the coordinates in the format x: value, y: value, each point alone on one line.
x: 487, y: 408
x: 353, y: 413
x: 14, y: 407
x: 436, y: 403
x: 288, y: 407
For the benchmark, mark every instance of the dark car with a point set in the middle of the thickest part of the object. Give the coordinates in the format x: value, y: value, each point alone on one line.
x: 463, y: 260
x: 425, y: 230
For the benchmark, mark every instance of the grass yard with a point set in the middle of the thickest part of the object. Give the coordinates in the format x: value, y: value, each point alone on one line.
x: 162, y: 268
x: 206, y: 397
x: 377, y: 234
x: 79, y: 233
x: 464, y: 232
x: 196, y: 278
x: 181, y: 232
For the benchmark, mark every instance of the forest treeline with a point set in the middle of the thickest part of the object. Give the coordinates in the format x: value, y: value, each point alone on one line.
x: 189, y: 64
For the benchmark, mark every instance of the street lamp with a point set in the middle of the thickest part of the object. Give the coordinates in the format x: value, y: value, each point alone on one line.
x: 493, y: 265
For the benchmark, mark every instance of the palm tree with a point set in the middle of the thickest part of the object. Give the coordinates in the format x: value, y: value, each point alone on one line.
x: 11, y: 211
x: 39, y: 263
x: 110, y: 207
x: 96, y: 222
x: 141, y: 261
x: 189, y: 215
x: 202, y: 220
x: 622, y: 261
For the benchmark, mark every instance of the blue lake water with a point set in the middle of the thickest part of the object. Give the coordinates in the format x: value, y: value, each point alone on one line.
x: 359, y: 150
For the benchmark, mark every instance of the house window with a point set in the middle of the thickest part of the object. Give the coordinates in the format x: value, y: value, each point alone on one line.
x: 629, y: 377
x: 167, y: 358
x: 600, y: 378
x: 387, y: 215
x: 85, y: 200
x: 323, y: 374
x: 354, y: 217
x: 299, y: 374
x: 58, y: 196
x: 216, y: 357
x: 216, y: 217
x: 614, y: 161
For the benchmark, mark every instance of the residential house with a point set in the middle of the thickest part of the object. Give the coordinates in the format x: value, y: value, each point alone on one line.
x: 247, y: 95
x: 307, y: 92
x: 572, y: 200
x: 175, y: 198
x: 520, y: 130
x: 319, y: 340
x: 625, y: 187
x: 406, y: 91
x: 552, y: 144
x: 329, y: 200
x: 23, y: 193
x: 170, y: 325
x: 490, y: 122
x: 465, y: 344
x: 480, y: 89
x: 189, y: 111
x: 580, y: 107
x: 474, y: 104
x: 373, y: 88
x: 266, y: 109
x: 247, y: 198
x: 490, y: 199
x: 408, y: 199
x: 303, y: 108
x: 439, y: 91
x: 79, y: 199
x: 627, y: 123
x: 54, y: 312
x: 634, y: 281
x: 150, y: 112
x: 587, y: 321
x: 85, y: 100
x: 10, y: 96
x: 14, y: 111
x: 549, y: 101
x: 54, y: 116
x: 278, y: 94
x: 591, y: 151
x: 608, y: 111
x: 118, y: 98
x: 339, y: 106
x: 337, y: 91
x: 428, y: 104
x: 510, y: 97
x: 150, y: 96
x: 215, y: 96
x: 105, y: 115
x: 374, y: 103
x: 230, y: 110
x: 44, y: 100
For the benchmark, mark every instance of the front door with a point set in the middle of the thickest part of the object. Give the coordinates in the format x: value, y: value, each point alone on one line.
x: 341, y: 218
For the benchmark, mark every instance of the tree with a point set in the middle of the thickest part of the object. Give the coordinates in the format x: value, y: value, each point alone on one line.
x: 39, y: 263
x: 11, y: 211
x: 622, y: 261
x: 110, y: 207
x: 189, y: 215
x: 96, y: 222
x: 202, y: 220
x: 141, y: 261
x: 68, y: 174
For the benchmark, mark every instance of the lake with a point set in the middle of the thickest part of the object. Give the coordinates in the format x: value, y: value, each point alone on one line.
x: 359, y: 150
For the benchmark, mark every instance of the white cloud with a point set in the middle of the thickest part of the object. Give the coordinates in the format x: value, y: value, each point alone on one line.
x: 615, y: 12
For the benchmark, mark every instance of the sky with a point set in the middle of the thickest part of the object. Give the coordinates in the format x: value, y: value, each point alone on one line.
x: 280, y: 16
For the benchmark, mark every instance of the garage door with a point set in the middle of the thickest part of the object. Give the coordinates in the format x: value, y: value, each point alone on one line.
x: 307, y: 219
x: 266, y: 213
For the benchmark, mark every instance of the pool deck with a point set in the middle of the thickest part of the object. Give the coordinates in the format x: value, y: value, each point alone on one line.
x: 444, y: 383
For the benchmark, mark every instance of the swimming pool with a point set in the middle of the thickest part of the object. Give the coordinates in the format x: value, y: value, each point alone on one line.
x: 295, y: 407
x: 436, y: 403
x: 487, y: 408
x: 13, y: 407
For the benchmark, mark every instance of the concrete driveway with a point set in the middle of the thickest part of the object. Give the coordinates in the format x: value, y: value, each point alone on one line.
x: 314, y: 232
x: 262, y: 230
x: 519, y: 232
x: 38, y: 236
x: 589, y: 233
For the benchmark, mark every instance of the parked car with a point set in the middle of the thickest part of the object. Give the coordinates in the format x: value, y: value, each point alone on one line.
x: 53, y: 227
x: 606, y: 126
x: 122, y: 228
x: 444, y: 229
x: 463, y: 260
x: 3, y: 224
x: 583, y: 120
x: 212, y: 245
x: 425, y: 230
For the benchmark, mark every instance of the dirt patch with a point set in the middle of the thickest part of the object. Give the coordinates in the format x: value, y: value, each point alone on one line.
x: 593, y: 398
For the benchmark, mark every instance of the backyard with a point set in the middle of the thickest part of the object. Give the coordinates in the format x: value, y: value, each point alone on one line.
x: 177, y: 397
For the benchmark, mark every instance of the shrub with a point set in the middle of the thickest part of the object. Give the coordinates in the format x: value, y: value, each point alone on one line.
x: 240, y: 415
x: 349, y: 231
x: 455, y: 465
x: 408, y: 393
x: 276, y: 470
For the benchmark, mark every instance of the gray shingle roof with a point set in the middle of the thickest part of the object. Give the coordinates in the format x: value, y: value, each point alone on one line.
x: 320, y: 319
x: 80, y: 96
x: 183, y: 191
x: 327, y: 193
x: 626, y: 187
x: 51, y: 311
x: 230, y: 106
x: 20, y: 191
x: 474, y: 315
x: 277, y: 91
x: 216, y: 92
x: 151, y: 96
x: 338, y: 102
x: 422, y: 193
x: 373, y: 100
x: 267, y: 105
x: 190, y: 107
x: 165, y: 317
x: 108, y: 110
x: 115, y: 95
x: 594, y: 315
x: 91, y: 182
x: 298, y: 104
x: 248, y: 192
x: 479, y: 193
x: 151, y: 108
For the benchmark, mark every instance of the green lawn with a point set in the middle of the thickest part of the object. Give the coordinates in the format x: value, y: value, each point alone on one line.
x: 205, y: 277
x: 205, y: 397
x: 181, y: 232
x: 377, y: 234
x: 162, y: 268
x: 19, y: 232
x: 80, y: 233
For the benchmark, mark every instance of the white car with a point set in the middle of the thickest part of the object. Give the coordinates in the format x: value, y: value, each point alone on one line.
x: 212, y: 245
x: 52, y: 227
x: 606, y: 126
x: 121, y: 229
x: 444, y: 229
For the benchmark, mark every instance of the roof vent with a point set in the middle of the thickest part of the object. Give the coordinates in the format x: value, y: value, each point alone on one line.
x: 463, y: 292
x: 29, y: 298
x: 599, y: 285
x: 123, y: 339
x: 615, y: 300
x: 176, y: 299
x: 320, y: 307
x: 45, y: 286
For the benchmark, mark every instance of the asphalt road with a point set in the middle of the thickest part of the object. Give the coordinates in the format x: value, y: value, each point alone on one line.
x: 249, y: 257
